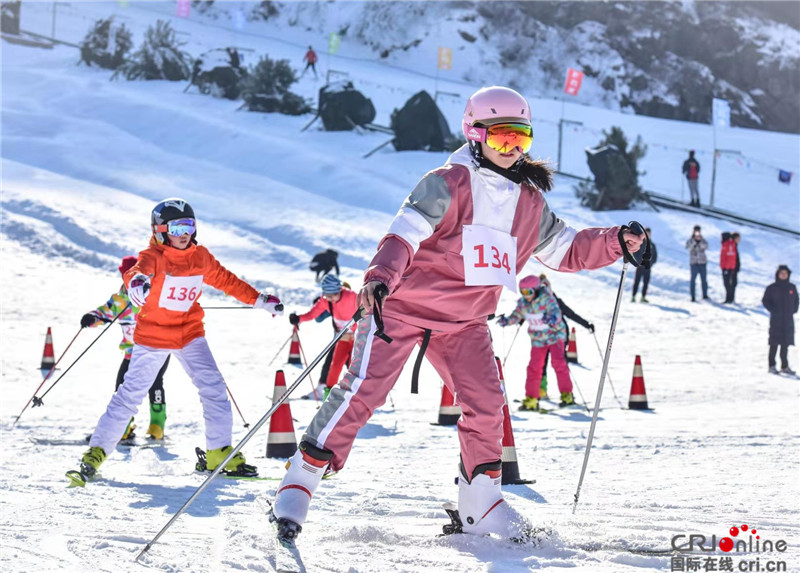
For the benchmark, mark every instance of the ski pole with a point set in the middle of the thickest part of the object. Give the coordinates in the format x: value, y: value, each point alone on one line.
x: 575, y: 383
x: 246, y: 425
x: 38, y: 401
x: 47, y: 377
x: 280, y: 349
x: 614, y: 390
x: 356, y: 317
x: 636, y: 228
x: 510, y: 346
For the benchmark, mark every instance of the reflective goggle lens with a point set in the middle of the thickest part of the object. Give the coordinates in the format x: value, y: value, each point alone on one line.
x: 180, y: 227
x: 527, y: 291
x: 504, y: 137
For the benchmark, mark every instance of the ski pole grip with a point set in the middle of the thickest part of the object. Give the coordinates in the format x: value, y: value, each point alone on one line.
x: 636, y: 228
x: 381, y: 291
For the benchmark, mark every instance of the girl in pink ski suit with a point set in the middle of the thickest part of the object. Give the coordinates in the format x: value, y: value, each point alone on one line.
x: 459, y: 237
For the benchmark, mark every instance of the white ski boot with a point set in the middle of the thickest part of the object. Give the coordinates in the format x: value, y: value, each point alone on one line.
x: 306, y: 468
x: 482, y: 508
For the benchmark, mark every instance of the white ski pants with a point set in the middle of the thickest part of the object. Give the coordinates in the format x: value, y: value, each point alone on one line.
x: 198, y: 363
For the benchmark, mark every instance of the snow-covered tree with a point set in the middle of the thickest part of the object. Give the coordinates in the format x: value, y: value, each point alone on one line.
x: 266, y: 88
x: 106, y: 44
x: 159, y: 58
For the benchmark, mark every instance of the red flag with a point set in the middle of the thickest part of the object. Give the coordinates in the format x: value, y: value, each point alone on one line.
x: 573, y: 83
x: 184, y: 7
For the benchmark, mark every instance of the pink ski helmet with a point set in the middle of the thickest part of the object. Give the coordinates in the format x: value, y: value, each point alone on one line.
x: 530, y: 282
x: 494, y: 104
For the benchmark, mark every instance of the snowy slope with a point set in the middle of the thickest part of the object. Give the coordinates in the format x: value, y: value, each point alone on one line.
x: 84, y: 160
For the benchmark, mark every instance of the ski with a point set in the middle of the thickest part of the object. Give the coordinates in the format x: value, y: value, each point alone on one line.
x: 134, y: 443
x: 534, y: 536
x: 287, y: 556
x: 76, y: 479
x: 622, y: 548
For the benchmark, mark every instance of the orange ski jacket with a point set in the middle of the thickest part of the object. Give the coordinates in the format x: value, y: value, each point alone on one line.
x: 171, y: 316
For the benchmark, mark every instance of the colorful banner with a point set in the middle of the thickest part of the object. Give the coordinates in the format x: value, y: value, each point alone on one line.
x: 445, y: 61
x: 574, y: 80
x: 184, y: 8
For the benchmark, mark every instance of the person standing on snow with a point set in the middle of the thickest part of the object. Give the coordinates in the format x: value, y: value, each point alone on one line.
x: 340, y: 302
x: 643, y: 274
x: 324, y: 262
x: 311, y: 62
x: 729, y: 263
x: 166, y: 283
x: 691, y: 169
x: 546, y: 327
x: 567, y: 313
x: 781, y: 300
x: 459, y: 237
x: 118, y: 306
x: 697, y: 245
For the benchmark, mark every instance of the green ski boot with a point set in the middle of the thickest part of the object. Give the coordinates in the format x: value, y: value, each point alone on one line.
x: 567, y: 399
x: 235, y: 467
x: 158, y: 417
x: 543, y: 389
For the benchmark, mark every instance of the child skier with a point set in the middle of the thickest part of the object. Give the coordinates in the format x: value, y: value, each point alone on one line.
x: 459, y: 237
x: 166, y: 283
x: 547, y: 329
x: 118, y: 306
x: 340, y: 302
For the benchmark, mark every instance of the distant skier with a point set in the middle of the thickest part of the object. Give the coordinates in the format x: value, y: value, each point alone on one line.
x: 567, y: 313
x: 311, y: 62
x: 165, y: 283
x: 642, y: 273
x: 118, y: 305
x: 691, y: 169
x: 324, y: 262
x: 486, y: 202
x: 697, y: 245
x: 340, y: 302
x: 781, y: 300
x: 539, y: 309
x: 729, y: 263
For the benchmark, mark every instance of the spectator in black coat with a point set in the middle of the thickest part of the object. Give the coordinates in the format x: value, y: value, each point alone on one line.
x: 325, y: 262
x: 781, y: 300
x: 643, y: 274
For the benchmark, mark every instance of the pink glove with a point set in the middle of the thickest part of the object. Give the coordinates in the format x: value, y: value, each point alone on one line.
x: 270, y: 303
x: 138, y: 290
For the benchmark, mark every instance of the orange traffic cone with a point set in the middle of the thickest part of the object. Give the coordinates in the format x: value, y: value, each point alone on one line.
x: 48, y: 358
x: 638, y: 399
x: 449, y: 411
x: 572, y: 347
x: 294, y: 348
x: 281, y: 442
x: 510, y: 467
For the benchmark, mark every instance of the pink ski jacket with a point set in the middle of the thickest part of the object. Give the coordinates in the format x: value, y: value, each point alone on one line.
x: 420, y: 257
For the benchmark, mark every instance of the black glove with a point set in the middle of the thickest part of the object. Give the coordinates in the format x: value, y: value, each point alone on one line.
x: 591, y: 328
x: 88, y: 319
x: 294, y: 320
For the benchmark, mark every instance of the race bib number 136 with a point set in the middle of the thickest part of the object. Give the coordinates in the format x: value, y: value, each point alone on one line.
x: 490, y: 257
x: 179, y: 293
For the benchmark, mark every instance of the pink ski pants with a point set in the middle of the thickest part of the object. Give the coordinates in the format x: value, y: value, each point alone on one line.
x: 535, y: 366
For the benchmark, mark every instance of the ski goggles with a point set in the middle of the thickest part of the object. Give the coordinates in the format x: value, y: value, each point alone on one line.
x: 528, y: 291
x: 503, y: 137
x: 177, y: 227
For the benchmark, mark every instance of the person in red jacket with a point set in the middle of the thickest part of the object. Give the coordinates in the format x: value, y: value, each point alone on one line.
x: 166, y: 283
x: 340, y: 302
x: 311, y: 62
x: 729, y: 263
x: 691, y: 169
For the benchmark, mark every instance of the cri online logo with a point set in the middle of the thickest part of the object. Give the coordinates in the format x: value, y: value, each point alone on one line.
x: 753, y: 543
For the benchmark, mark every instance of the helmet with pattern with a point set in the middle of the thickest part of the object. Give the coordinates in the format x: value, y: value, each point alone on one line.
x: 166, y: 211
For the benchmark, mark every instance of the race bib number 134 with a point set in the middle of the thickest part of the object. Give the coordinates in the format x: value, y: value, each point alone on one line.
x: 490, y: 257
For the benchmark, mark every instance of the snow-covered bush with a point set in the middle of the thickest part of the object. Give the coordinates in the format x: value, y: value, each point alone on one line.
x: 266, y: 88
x: 159, y: 58
x: 106, y: 44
